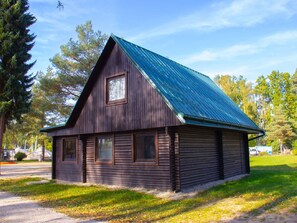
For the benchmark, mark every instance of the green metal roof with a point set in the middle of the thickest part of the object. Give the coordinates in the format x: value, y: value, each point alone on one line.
x: 190, y: 94
x: 193, y: 96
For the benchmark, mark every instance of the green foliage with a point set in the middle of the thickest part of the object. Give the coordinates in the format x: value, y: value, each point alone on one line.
x: 58, y: 88
x: 264, y: 153
x: 294, y: 144
x: 275, y: 147
x: 19, y: 156
x: 294, y: 152
x: 240, y: 91
x: 16, y: 42
x: 62, y: 83
x: 256, y: 195
x: 280, y: 129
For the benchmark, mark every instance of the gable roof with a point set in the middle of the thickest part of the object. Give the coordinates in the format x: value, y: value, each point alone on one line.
x: 193, y: 96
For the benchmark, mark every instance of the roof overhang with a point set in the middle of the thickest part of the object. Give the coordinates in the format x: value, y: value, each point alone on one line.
x: 221, y: 125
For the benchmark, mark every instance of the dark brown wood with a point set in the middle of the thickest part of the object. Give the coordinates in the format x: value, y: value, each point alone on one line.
x: 198, y: 156
x: 233, y: 153
x: 171, y: 134
x: 54, y: 158
x: 125, y: 172
x: 145, y: 108
x: 220, y: 154
x: 83, y: 139
x: 177, y: 162
x: 68, y: 171
x: 246, y: 153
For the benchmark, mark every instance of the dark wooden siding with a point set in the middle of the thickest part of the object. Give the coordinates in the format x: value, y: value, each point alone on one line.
x: 124, y: 171
x: 68, y: 171
x: 145, y: 107
x: 198, y: 156
x: 234, y: 160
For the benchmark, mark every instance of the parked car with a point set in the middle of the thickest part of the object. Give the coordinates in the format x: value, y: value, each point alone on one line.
x: 254, y: 152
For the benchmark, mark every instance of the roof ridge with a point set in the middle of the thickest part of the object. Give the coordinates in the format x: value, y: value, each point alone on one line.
x: 161, y: 56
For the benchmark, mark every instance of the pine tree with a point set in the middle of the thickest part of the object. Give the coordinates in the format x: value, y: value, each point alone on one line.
x: 280, y: 129
x: 64, y: 79
x: 16, y: 42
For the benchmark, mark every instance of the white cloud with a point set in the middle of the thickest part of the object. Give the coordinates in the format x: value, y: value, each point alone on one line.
x: 242, y: 13
x: 242, y: 49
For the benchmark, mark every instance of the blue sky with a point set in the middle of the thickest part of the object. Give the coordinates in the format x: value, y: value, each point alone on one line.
x: 243, y: 37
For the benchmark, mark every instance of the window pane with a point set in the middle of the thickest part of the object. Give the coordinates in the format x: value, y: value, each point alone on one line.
x: 69, y: 150
x: 116, y: 88
x: 145, y: 148
x: 104, y: 149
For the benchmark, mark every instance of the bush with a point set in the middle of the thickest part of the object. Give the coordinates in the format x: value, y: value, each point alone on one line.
x: 294, y: 144
x: 294, y: 151
x: 264, y: 153
x: 19, y: 156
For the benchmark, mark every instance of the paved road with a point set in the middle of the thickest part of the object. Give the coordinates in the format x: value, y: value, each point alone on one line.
x: 42, y: 169
x: 15, y: 209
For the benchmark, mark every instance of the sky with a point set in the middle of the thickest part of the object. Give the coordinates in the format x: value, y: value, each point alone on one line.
x: 243, y: 37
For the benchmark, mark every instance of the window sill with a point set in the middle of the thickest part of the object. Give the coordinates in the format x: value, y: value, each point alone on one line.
x: 145, y: 163
x: 104, y: 162
x: 118, y: 102
x: 69, y: 161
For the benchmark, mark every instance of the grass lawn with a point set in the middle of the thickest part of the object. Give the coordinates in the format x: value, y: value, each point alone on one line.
x: 271, y: 188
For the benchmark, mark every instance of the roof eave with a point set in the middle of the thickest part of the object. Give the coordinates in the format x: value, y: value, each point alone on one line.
x: 222, y: 125
x: 53, y: 128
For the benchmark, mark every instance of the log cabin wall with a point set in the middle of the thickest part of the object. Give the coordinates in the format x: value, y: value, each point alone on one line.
x: 66, y: 170
x: 200, y: 150
x: 124, y: 171
x: 234, y: 154
x: 144, y: 108
x: 198, y: 156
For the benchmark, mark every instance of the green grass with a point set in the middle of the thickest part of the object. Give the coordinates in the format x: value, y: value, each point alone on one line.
x: 272, y: 187
x: 274, y: 162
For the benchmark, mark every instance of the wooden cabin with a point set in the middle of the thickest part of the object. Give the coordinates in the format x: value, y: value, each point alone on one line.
x: 143, y: 120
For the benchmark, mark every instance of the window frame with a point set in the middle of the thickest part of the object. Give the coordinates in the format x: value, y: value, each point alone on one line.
x: 145, y: 161
x: 106, y: 89
x: 76, y: 149
x: 96, y: 149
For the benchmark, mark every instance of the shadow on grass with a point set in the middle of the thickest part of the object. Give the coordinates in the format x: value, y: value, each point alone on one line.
x: 125, y: 205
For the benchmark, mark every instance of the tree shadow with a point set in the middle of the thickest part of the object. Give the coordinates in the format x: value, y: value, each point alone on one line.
x: 125, y: 205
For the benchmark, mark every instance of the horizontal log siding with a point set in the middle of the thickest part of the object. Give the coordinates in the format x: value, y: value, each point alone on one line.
x: 68, y: 171
x: 144, y: 108
x: 198, y: 156
x: 177, y: 163
x: 234, y: 160
x: 124, y: 171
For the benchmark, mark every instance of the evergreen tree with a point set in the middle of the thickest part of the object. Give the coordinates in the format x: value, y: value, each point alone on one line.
x: 64, y: 80
x: 16, y: 42
x: 280, y: 129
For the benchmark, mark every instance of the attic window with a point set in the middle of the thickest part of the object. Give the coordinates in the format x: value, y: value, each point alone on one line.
x: 116, y: 89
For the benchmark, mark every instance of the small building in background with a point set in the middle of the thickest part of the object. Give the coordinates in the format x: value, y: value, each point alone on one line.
x: 259, y: 149
x: 37, y: 154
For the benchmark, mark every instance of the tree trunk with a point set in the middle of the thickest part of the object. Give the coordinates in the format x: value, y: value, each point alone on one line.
x: 2, y: 130
x: 43, y: 149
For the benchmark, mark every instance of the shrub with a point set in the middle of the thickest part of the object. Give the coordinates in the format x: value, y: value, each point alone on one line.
x: 19, y: 156
x: 264, y: 153
x: 294, y: 144
x: 294, y: 151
